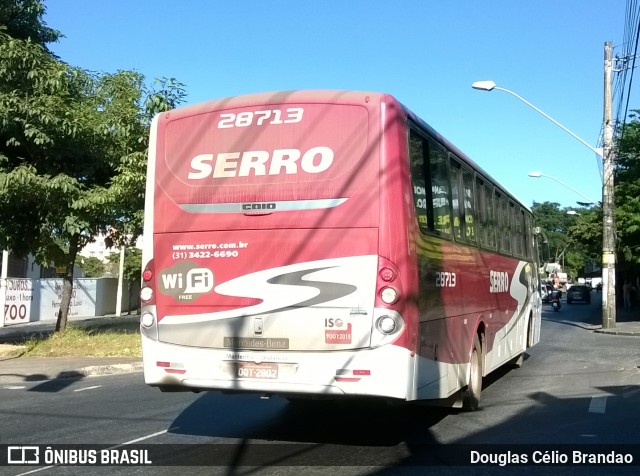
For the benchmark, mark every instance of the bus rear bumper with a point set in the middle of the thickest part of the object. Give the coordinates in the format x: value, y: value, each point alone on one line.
x: 382, y: 372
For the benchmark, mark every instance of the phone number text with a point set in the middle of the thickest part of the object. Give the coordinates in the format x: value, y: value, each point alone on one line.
x: 205, y: 254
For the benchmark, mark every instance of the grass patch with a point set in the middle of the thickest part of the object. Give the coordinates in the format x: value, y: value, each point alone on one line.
x: 81, y: 342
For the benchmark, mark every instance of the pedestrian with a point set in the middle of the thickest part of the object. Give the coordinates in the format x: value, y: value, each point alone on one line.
x: 627, y: 291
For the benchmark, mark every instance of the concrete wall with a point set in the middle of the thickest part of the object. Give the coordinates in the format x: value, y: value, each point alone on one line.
x: 30, y: 300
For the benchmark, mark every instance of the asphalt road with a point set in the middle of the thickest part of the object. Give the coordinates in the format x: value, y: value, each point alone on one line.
x: 575, y: 387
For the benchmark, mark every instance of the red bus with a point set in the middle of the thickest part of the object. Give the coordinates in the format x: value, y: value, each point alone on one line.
x: 329, y: 244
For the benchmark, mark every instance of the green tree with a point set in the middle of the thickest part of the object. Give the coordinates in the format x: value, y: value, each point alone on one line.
x: 627, y: 196
x: 132, y: 263
x: 23, y: 20
x: 573, y: 239
x: 132, y: 267
x: 92, y: 267
x: 72, y: 154
x: 555, y: 222
x: 585, y: 237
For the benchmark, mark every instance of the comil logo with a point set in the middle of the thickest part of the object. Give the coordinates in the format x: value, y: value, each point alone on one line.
x: 185, y: 281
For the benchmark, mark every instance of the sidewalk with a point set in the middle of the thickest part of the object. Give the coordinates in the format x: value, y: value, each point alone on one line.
x: 16, y: 370
x: 627, y: 323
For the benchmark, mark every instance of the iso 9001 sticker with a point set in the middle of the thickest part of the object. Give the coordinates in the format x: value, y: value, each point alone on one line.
x: 265, y: 370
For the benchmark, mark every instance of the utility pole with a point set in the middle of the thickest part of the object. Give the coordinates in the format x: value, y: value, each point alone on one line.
x: 120, y: 283
x: 608, y: 220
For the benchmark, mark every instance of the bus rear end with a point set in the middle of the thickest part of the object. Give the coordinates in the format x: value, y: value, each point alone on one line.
x: 263, y: 269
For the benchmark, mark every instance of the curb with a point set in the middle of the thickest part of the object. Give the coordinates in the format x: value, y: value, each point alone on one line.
x: 110, y: 369
x: 617, y: 332
x: 97, y: 370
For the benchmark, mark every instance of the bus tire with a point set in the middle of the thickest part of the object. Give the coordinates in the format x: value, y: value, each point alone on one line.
x: 530, y: 331
x: 471, y: 394
x: 518, y: 361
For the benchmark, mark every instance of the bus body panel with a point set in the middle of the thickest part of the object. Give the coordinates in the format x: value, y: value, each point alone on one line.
x: 461, y: 290
x: 275, y: 224
x: 323, y: 304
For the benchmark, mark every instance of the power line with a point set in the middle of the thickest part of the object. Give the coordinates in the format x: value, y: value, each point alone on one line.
x: 627, y: 63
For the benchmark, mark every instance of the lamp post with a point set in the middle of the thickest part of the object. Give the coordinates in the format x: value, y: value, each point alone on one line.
x: 540, y: 174
x: 608, y: 240
x: 490, y: 86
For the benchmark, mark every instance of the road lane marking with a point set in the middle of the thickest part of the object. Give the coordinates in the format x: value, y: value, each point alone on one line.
x: 35, y: 471
x: 87, y: 388
x: 14, y: 387
x: 598, y: 404
x: 142, y: 438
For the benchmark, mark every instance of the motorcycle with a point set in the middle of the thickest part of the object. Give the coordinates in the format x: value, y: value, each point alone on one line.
x: 555, y: 300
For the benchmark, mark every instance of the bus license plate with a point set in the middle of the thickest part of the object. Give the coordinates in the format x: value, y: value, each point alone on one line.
x: 259, y: 371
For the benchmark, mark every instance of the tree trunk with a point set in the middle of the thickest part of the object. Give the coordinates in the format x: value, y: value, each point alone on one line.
x: 67, y: 286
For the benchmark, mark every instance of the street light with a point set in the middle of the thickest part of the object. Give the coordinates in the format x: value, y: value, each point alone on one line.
x: 540, y: 174
x: 490, y: 86
x: 608, y: 227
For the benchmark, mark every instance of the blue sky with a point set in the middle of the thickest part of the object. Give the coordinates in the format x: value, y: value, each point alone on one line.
x: 426, y: 53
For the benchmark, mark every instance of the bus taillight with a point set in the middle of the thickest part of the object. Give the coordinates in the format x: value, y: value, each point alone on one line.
x: 389, y: 287
x: 387, y: 274
x: 388, y: 295
x: 146, y: 292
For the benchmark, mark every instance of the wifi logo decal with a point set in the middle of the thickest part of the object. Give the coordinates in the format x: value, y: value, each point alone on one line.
x: 185, y: 281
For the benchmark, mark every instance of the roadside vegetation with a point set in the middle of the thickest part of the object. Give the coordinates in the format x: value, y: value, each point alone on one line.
x: 73, y: 146
x: 78, y: 341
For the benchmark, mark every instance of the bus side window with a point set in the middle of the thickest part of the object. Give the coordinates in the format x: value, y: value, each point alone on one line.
x: 530, y: 248
x: 481, y: 228
x: 468, y: 205
x: 487, y: 214
x: 417, y: 154
x: 439, y: 172
x: 456, y: 199
x: 462, y: 202
x: 519, y: 232
x: 503, y: 226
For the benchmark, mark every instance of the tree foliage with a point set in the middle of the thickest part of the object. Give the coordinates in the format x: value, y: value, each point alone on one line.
x: 627, y: 196
x: 92, y: 267
x: 23, y: 20
x: 575, y: 240
x: 583, y: 232
x: 72, y: 149
x: 132, y: 266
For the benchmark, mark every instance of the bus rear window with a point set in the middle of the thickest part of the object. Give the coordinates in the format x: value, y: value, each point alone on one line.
x: 276, y: 152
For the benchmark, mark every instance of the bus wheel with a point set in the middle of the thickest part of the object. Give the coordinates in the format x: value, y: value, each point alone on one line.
x: 471, y: 395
